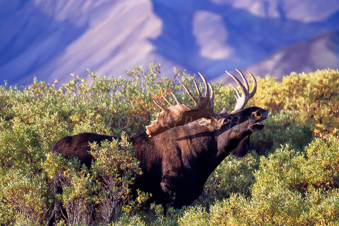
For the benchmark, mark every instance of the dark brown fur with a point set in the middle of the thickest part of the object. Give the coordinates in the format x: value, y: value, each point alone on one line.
x: 177, y: 162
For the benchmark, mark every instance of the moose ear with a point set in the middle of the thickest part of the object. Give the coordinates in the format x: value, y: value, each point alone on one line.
x: 224, y: 111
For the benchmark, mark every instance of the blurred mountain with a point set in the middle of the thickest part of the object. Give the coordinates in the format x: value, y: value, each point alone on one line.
x: 304, y: 56
x: 51, y: 39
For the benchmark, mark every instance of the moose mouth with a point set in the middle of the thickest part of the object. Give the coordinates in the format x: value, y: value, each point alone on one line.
x: 258, y: 124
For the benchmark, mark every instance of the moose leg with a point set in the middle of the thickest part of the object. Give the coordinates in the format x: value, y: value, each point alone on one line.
x: 172, y: 174
x: 58, y: 212
x: 170, y: 184
x: 169, y: 195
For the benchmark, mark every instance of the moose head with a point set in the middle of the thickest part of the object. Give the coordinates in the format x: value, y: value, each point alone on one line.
x: 227, y: 125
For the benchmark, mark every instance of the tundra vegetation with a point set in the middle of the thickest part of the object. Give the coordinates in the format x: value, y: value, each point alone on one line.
x: 290, y: 178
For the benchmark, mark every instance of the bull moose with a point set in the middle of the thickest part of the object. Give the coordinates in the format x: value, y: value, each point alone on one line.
x: 177, y: 157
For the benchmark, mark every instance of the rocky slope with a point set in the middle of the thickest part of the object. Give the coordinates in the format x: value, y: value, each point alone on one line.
x: 303, y: 56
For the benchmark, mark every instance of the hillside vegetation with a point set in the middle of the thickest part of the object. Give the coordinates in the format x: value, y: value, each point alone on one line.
x: 290, y: 178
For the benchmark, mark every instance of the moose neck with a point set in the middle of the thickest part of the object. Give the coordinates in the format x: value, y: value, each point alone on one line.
x: 215, y: 145
x: 229, y: 139
x: 201, y: 149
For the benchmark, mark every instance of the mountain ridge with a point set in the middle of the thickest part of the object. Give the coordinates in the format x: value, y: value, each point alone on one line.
x: 50, y: 40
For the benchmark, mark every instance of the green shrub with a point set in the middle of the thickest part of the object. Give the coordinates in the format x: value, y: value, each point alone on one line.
x: 314, y: 97
x: 233, y: 175
x: 281, y: 128
x: 286, y: 191
x: 293, y: 174
x: 24, y: 197
x: 101, y: 191
x: 194, y: 216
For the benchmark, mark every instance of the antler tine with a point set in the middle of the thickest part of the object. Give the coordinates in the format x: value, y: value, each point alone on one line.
x: 189, y: 93
x: 245, y: 95
x: 238, y: 82
x: 167, y: 100
x: 244, y: 79
x: 207, y: 93
x: 237, y: 96
x: 160, y: 106
x: 241, y: 100
x: 176, y: 99
x: 196, y: 87
x: 254, y: 85
x: 212, y: 95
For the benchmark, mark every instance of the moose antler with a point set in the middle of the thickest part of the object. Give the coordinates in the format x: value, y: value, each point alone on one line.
x: 180, y: 114
x: 243, y: 99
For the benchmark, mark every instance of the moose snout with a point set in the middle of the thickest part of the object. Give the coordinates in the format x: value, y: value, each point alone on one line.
x: 260, y: 114
x: 257, y: 117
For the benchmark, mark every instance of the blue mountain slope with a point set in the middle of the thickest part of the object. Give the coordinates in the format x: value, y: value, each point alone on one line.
x: 51, y: 39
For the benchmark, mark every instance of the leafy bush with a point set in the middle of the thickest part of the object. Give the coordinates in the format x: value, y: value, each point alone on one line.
x: 281, y: 128
x: 287, y: 192
x: 24, y: 197
x: 314, y: 97
x: 101, y: 191
x: 294, y: 182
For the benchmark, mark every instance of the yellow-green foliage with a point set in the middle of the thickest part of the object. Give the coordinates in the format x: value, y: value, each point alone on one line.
x: 314, y: 97
x: 293, y: 180
x: 292, y: 188
x: 23, y: 196
x: 101, y: 191
x: 282, y: 128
